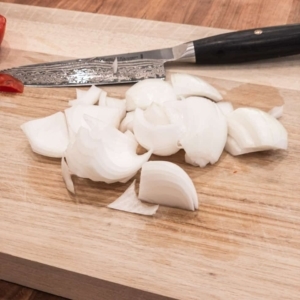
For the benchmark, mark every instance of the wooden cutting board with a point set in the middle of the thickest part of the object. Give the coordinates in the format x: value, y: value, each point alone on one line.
x: 242, y: 243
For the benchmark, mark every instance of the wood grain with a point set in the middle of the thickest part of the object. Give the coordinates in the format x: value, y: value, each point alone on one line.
x: 248, y: 224
x: 229, y: 14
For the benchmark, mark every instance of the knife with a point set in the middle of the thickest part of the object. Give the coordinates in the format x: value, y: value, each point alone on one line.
x: 234, y: 47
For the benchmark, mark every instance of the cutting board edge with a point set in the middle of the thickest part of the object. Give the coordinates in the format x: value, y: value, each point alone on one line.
x: 66, y: 283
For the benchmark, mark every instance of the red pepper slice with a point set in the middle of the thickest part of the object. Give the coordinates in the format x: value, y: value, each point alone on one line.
x: 2, y: 27
x: 10, y: 84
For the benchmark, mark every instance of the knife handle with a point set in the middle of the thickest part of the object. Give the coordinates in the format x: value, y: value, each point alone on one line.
x: 248, y: 45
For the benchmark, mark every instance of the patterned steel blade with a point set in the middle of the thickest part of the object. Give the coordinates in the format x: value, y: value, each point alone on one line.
x: 85, y: 72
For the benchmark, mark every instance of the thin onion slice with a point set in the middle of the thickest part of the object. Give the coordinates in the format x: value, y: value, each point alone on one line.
x: 144, y: 93
x: 91, y: 96
x: 67, y: 176
x: 162, y: 139
x: 252, y: 130
x: 48, y: 136
x: 167, y: 184
x: 129, y: 202
x: 186, y: 85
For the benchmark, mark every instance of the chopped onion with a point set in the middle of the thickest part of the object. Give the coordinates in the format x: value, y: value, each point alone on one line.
x: 80, y: 93
x: 106, y: 155
x: 186, y: 85
x: 115, y: 103
x: 144, y: 93
x: 167, y: 184
x: 129, y: 202
x: 127, y: 122
x: 162, y: 139
x: 48, y: 136
x: 77, y: 115
x: 225, y: 107
x: 251, y: 130
x: 155, y: 114
x: 276, y: 111
x: 88, y: 98
x: 206, y: 131
x: 67, y: 176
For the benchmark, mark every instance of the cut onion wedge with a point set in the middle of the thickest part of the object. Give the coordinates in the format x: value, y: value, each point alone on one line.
x: 67, y: 176
x: 144, y: 93
x: 186, y: 85
x: 75, y: 116
x: 91, y: 96
x: 106, y: 155
x: 162, y: 139
x: 129, y: 202
x: 252, y: 130
x: 48, y: 136
x: 167, y: 184
x: 206, y: 131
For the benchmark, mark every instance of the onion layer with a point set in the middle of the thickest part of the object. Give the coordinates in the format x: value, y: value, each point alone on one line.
x: 144, y: 93
x: 186, y: 85
x: 105, y: 155
x: 251, y: 130
x: 206, y: 131
x: 162, y: 139
x: 129, y: 202
x: 48, y: 136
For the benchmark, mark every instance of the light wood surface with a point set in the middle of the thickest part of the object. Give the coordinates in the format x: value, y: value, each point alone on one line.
x: 243, y: 243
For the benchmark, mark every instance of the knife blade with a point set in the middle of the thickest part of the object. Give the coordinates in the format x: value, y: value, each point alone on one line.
x: 234, y: 47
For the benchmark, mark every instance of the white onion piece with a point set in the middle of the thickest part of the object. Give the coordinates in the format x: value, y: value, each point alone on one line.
x: 276, y: 111
x: 80, y: 93
x: 206, y: 131
x: 186, y: 85
x: 91, y: 96
x: 167, y: 184
x: 145, y: 92
x: 115, y: 103
x: 67, y: 176
x: 105, y: 155
x: 48, y: 136
x: 162, y: 139
x: 77, y: 114
x: 252, y: 130
x: 225, y: 107
x: 129, y: 202
x: 156, y: 115
x: 127, y: 122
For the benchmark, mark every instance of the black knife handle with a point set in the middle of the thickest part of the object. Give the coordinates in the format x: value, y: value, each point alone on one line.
x: 248, y: 45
